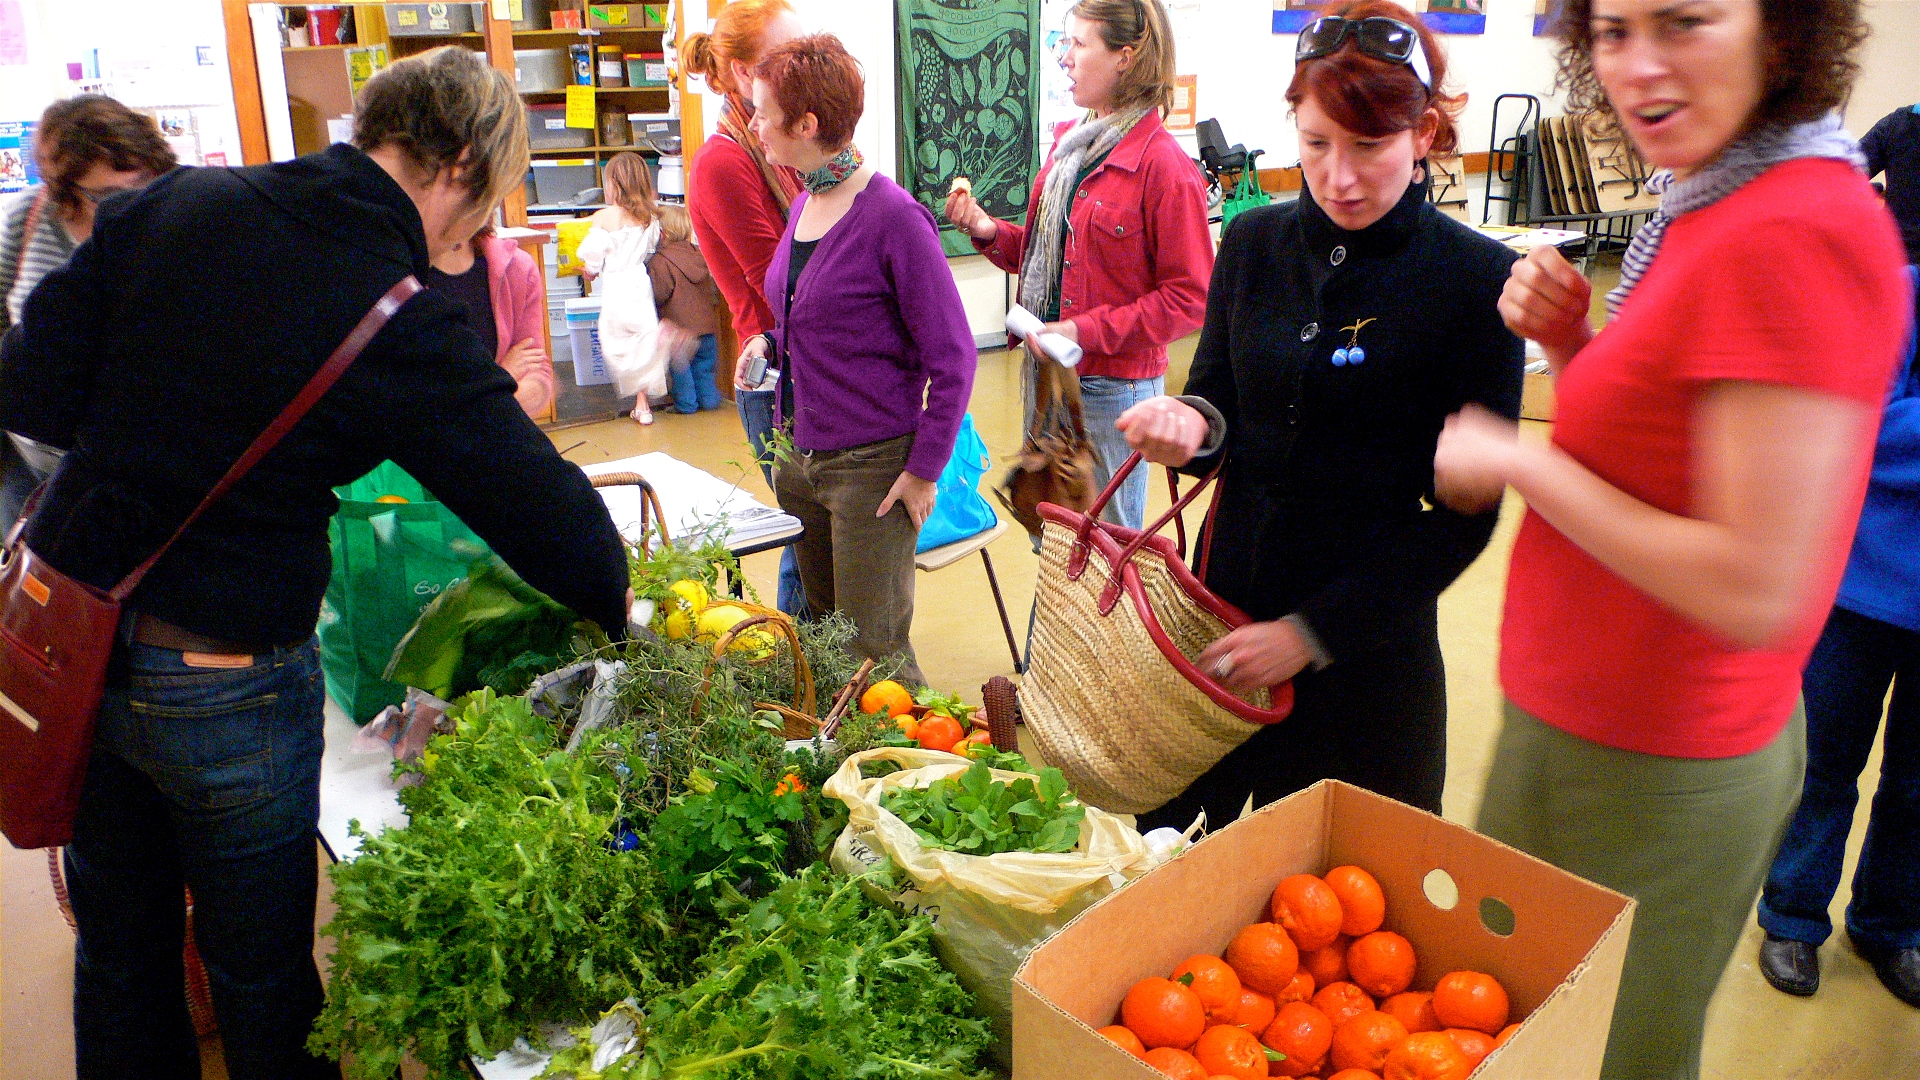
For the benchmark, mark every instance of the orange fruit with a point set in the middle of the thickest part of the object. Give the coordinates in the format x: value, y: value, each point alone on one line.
x: 1256, y: 1010
x: 1301, y: 1032
x: 1363, y: 907
x: 1176, y: 1063
x: 1300, y: 989
x: 1506, y: 1033
x: 1414, y: 1009
x: 1126, y: 1039
x: 1382, y: 963
x: 1264, y: 957
x: 1474, y: 1044
x: 1225, y: 1050
x: 1329, y: 965
x: 1214, y: 981
x: 1429, y: 1055
x: 1354, y: 1074
x: 886, y: 696
x: 1342, y: 1001
x: 1363, y: 1042
x: 1163, y: 1013
x: 938, y: 732
x: 1469, y: 999
x: 1309, y: 911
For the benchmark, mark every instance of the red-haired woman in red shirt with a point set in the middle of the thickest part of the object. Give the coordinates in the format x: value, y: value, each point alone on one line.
x: 1689, y: 522
x: 739, y: 200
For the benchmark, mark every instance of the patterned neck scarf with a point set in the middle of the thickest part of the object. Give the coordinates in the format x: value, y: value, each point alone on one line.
x: 1088, y: 141
x: 834, y: 172
x: 733, y: 123
x: 1743, y: 160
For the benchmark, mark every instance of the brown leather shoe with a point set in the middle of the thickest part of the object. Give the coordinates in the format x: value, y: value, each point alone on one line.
x: 1899, y: 969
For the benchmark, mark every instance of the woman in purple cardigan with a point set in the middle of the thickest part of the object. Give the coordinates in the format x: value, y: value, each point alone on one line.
x: 875, y: 355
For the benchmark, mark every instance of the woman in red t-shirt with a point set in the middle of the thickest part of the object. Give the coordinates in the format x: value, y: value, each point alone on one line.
x: 1689, y: 522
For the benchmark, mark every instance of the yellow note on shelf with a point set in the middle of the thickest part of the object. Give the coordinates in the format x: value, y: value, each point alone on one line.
x: 510, y: 9
x: 580, y: 107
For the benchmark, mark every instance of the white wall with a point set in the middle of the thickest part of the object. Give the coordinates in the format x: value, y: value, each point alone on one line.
x: 148, y: 57
x: 1890, y: 64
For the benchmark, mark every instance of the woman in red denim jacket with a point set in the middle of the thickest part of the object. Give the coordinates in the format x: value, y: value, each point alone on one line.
x: 1115, y: 253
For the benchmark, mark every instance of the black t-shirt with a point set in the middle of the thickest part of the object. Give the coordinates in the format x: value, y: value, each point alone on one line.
x: 797, y: 262
x: 1893, y: 147
x: 472, y: 291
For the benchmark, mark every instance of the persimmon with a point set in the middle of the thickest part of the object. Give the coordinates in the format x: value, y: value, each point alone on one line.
x: 1125, y: 1038
x: 1176, y: 1063
x: 1430, y: 1055
x: 1300, y: 989
x: 1225, y: 1050
x: 1363, y: 907
x: 1329, y: 964
x: 1309, y: 911
x: 1382, y: 963
x: 1214, y: 981
x: 1163, y: 1013
x: 1413, y: 1008
x: 1470, y: 999
x: 1363, y: 1042
x: 1342, y: 1001
x: 888, y: 697
x: 1302, y: 1033
x: 1474, y: 1044
x: 1256, y: 1010
x: 1264, y: 957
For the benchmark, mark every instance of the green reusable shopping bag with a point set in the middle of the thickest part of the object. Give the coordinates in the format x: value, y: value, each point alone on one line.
x: 389, y: 562
x: 1247, y: 192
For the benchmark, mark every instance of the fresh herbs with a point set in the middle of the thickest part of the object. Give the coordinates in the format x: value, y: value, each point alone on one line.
x: 814, y: 981
x: 502, y: 903
x: 727, y: 838
x: 977, y: 815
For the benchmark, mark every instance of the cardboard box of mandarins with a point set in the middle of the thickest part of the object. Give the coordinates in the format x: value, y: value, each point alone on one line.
x: 1465, y: 903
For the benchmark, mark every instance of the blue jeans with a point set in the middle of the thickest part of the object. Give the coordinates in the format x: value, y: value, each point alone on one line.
x: 1845, y: 683
x: 693, y: 385
x: 756, y: 415
x: 1105, y: 399
x: 208, y: 779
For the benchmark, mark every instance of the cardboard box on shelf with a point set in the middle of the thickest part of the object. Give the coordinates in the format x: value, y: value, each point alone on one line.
x: 1560, y: 963
x: 1536, y: 397
x: 615, y: 15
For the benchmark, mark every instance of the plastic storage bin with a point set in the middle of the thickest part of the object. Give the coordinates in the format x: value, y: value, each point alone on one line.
x: 560, y: 181
x: 536, y: 70
x: 547, y: 129
x: 583, y: 333
x: 647, y: 69
x: 431, y: 20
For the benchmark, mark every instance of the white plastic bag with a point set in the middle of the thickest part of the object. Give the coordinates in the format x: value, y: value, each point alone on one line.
x: 988, y: 911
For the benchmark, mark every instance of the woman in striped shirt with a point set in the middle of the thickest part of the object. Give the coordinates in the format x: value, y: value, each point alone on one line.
x: 88, y: 148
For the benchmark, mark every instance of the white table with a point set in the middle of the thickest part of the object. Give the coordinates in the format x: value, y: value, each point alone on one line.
x: 696, y: 502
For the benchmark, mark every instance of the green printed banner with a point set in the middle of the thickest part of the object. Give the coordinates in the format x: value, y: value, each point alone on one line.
x: 969, y: 96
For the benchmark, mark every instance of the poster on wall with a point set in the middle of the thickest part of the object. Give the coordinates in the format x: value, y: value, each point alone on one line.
x: 1442, y: 16
x: 1186, y: 103
x: 1545, y: 14
x: 17, y: 170
x: 966, y: 67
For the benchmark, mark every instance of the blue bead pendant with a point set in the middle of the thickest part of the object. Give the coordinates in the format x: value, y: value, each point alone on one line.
x: 1356, y: 355
x: 1339, y: 358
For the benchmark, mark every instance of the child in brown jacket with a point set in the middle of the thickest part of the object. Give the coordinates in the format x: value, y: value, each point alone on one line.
x: 687, y: 299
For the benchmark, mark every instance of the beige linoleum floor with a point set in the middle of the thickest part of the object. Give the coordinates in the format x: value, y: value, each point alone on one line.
x: 1853, y: 1030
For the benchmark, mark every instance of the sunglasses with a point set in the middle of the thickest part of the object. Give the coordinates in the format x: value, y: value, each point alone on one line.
x: 1377, y: 36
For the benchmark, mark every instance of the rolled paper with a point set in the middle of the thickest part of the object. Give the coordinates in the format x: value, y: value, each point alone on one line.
x: 1024, y: 324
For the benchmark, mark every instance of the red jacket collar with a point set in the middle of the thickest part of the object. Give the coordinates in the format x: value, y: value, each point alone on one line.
x: 1132, y: 148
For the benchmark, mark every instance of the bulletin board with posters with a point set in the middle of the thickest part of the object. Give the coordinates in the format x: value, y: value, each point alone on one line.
x: 969, y: 101
x: 17, y: 171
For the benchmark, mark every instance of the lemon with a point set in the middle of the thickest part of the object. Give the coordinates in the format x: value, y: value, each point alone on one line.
x: 691, y: 593
x: 716, y: 621
x: 677, y: 626
x: 755, y: 645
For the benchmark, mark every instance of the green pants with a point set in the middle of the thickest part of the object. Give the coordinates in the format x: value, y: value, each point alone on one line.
x: 1690, y: 839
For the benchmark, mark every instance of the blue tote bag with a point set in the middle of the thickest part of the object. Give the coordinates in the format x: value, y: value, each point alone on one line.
x: 959, y: 510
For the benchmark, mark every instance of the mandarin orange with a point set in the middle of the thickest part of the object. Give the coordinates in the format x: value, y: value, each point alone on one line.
x: 1342, y: 1001
x: 1300, y: 989
x: 1225, y: 1050
x: 1506, y: 1033
x: 1354, y: 1074
x: 1363, y: 907
x: 1163, y: 1013
x: 1214, y: 981
x: 1256, y: 1010
x: 1264, y: 957
x: 1176, y: 1063
x: 1302, y: 1033
x: 1429, y: 1055
x: 1474, y: 1044
x: 1470, y: 999
x: 1124, y: 1037
x: 1413, y: 1008
x: 1382, y: 963
x: 1363, y: 1042
x: 1309, y: 911
x: 1329, y: 964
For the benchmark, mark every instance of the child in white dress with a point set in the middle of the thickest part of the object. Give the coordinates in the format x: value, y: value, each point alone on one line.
x: 615, y: 252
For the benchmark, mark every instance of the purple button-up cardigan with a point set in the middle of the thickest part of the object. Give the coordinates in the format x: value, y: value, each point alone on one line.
x: 877, y: 345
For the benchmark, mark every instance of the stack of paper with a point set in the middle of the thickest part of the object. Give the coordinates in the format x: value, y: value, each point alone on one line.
x: 696, y: 503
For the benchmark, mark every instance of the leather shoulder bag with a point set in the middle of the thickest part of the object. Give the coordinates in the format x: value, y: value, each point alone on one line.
x: 1056, y: 459
x: 57, y: 634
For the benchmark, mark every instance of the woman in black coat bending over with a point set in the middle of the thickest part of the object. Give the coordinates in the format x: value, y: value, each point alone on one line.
x: 1341, y: 332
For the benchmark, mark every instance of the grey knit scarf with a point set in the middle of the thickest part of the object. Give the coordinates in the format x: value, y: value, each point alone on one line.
x: 1743, y: 160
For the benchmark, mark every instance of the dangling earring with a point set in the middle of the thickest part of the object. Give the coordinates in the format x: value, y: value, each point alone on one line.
x: 1420, y: 171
